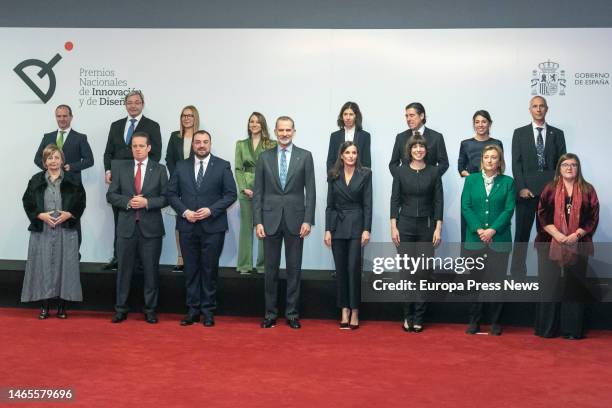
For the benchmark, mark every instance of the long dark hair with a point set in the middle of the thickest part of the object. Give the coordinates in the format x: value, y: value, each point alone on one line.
x: 584, y: 185
x: 265, y: 134
x: 355, y: 108
x: 335, y: 171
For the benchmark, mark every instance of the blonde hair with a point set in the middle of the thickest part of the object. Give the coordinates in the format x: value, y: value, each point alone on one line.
x: 500, y: 154
x: 49, y: 150
x: 196, y: 119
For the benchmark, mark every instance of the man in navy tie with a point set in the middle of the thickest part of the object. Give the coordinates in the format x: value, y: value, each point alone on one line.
x: 118, y: 145
x: 536, y: 148
x: 201, y: 189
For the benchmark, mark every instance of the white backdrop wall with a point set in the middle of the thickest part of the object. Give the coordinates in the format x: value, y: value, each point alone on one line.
x: 307, y: 74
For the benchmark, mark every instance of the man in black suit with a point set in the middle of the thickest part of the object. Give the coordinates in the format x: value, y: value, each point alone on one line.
x: 74, y: 144
x: 201, y: 189
x: 138, y: 192
x: 118, y: 145
x: 436, y: 149
x: 283, y: 210
x: 536, y: 149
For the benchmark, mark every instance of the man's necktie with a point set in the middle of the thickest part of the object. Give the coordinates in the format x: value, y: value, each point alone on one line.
x: 540, y: 149
x: 130, y: 132
x: 138, y: 185
x: 283, y: 168
x: 200, y: 174
x: 60, y: 139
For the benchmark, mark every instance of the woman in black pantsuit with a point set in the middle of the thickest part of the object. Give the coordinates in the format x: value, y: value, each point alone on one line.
x: 417, y: 203
x: 348, y: 220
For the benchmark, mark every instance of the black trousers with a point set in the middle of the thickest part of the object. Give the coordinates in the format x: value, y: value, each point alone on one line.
x: 416, y: 234
x: 525, y: 216
x: 564, y: 317
x: 496, y: 264
x: 201, y: 252
x: 293, y: 261
x: 149, y: 251
x: 348, y: 261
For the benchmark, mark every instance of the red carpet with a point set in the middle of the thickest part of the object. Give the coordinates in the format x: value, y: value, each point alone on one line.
x: 237, y: 364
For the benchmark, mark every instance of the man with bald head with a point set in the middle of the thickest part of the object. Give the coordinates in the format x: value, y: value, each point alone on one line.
x: 536, y: 148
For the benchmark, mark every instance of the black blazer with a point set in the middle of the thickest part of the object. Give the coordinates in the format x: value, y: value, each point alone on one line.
x: 174, y: 152
x: 122, y: 190
x: 349, y: 208
x: 296, y: 203
x: 116, y: 149
x: 217, y: 192
x: 77, y: 151
x: 436, y: 150
x: 73, y: 199
x: 361, y: 139
x: 416, y: 194
x: 525, y: 158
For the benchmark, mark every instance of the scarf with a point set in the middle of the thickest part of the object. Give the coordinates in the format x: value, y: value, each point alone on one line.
x: 562, y: 253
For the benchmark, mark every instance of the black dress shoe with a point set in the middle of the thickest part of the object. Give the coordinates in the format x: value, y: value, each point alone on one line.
x: 496, y: 330
x: 44, y: 311
x: 119, y: 317
x: 111, y: 265
x: 572, y: 337
x: 473, y: 328
x: 294, y: 323
x: 417, y: 328
x: 151, y: 317
x: 61, y: 310
x: 268, y: 323
x: 209, y: 321
x: 178, y: 268
x: 190, y: 319
x: 407, y: 326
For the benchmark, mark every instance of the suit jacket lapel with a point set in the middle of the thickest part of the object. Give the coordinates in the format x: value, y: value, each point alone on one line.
x: 148, y: 175
x: 275, y: 170
x: 531, y: 146
x: 294, y: 162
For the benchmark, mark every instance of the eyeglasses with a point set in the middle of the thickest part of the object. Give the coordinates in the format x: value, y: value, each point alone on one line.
x: 186, y: 115
x: 568, y: 165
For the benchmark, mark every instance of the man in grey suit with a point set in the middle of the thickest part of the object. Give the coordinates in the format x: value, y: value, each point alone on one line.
x: 138, y: 192
x: 536, y: 149
x: 283, y: 210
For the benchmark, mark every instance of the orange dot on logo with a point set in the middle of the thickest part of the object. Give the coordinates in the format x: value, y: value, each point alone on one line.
x: 68, y: 45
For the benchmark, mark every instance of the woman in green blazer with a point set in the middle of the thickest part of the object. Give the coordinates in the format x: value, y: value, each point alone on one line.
x: 487, y: 204
x: 247, y: 153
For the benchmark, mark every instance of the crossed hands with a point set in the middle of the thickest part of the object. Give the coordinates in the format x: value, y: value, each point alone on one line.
x: 195, y: 216
x: 50, y: 220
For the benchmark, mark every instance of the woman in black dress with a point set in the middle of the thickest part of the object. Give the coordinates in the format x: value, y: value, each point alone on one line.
x: 417, y: 203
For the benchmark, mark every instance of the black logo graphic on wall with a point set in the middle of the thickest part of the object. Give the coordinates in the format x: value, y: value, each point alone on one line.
x: 46, y: 70
x: 548, y: 79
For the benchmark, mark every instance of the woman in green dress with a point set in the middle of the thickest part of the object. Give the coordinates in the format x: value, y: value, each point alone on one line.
x: 247, y: 153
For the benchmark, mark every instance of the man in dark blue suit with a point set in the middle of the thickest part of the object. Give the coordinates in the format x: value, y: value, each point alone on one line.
x: 201, y: 189
x: 74, y: 145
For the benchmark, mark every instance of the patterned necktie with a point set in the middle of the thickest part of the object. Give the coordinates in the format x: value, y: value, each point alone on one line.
x: 540, y: 149
x: 200, y: 174
x: 283, y: 168
x: 130, y: 132
x: 60, y: 139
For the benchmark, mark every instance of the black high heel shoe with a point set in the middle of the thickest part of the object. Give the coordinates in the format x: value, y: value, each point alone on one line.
x: 61, y: 309
x: 407, y: 326
x: 44, y: 310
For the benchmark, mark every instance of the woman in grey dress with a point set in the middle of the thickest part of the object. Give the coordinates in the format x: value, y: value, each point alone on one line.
x: 53, y: 201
